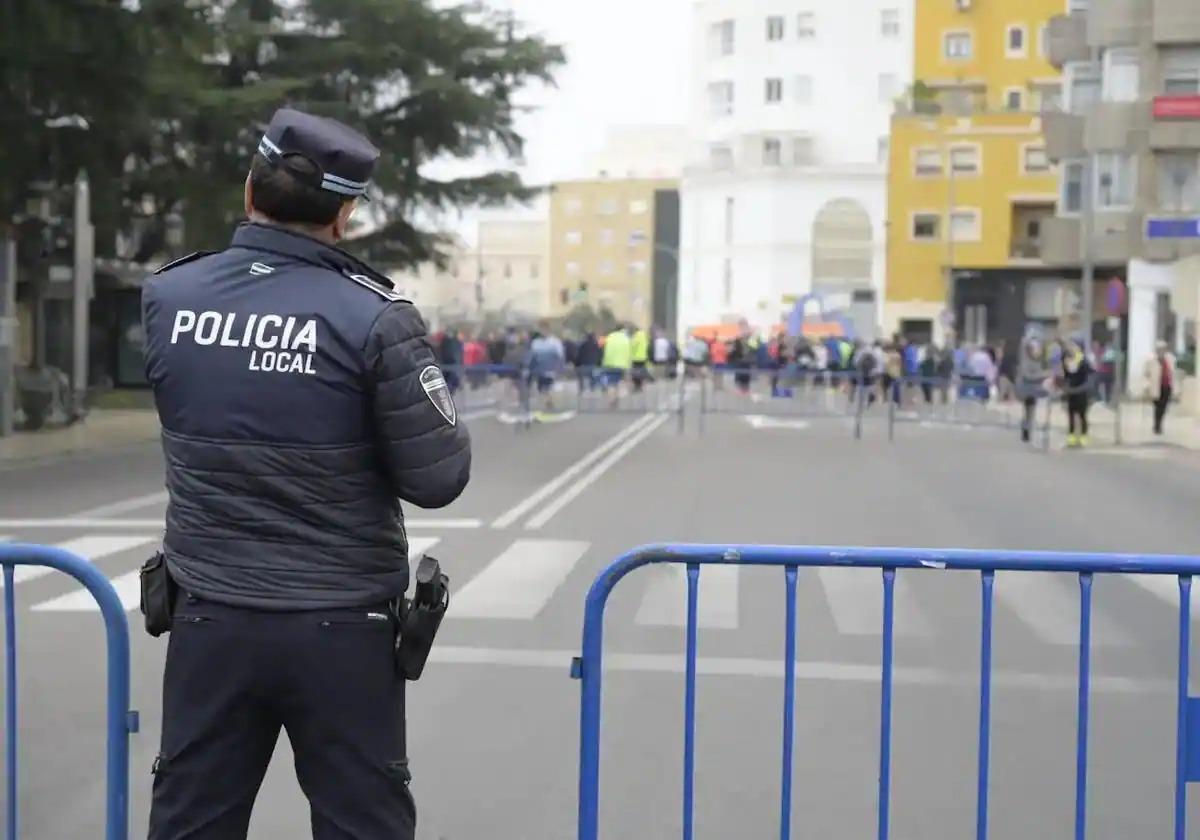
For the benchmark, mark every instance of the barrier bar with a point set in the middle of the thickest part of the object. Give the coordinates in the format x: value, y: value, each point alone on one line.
x: 689, y: 703
x: 121, y: 719
x: 789, y: 706
x: 1081, y: 736
x: 10, y: 707
x: 885, y: 703
x: 987, y: 590
x: 1181, y: 722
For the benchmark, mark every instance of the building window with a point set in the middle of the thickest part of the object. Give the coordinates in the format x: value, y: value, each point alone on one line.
x: 925, y: 226
x: 772, y: 152
x: 573, y: 269
x: 882, y: 148
x: 889, y: 23
x: 574, y: 206
x: 1048, y: 96
x: 720, y: 99
x: 1114, y: 183
x: 720, y: 38
x: 721, y: 157
x: 1034, y: 160
x: 1082, y: 88
x: 1070, y: 199
x: 804, y: 90
x: 637, y: 268
x: 965, y: 225
x: 775, y: 28
x: 806, y: 25
x: 887, y: 87
x: 1015, y: 45
x: 727, y: 282
x: 508, y: 271
x: 1043, y: 39
x: 608, y: 207
x: 1121, y: 75
x: 1179, y: 181
x: 636, y: 238
x: 803, y: 153
x: 1014, y: 99
x: 639, y: 207
x: 774, y: 91
x: 606, y: 236
x: 1181, y: 71
x: 965, y: 160
x: 607, y: 268
x: 956, y: 45
x: 574, y: 237
x: 927, y: 161
x: 729, y: 204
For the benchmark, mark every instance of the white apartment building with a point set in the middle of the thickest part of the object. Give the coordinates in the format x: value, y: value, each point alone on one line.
x: 785, y: 192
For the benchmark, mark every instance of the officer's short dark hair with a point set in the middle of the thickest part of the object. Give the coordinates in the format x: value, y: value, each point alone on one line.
x: 280, y: 192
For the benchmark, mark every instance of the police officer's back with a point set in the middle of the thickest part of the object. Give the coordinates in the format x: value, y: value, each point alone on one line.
x: 299, y: 400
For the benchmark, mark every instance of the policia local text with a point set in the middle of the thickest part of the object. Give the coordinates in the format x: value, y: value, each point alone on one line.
x: 282, y: 345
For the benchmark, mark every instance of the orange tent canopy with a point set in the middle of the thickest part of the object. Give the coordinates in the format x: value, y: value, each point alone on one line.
x: 717, y: 332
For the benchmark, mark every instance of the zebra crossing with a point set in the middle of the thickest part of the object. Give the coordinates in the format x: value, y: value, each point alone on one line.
x: 523, y: 578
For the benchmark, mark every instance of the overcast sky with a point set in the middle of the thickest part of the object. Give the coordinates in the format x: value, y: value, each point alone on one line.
x: 627, y: 64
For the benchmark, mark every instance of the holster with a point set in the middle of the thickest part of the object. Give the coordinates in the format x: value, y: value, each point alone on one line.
x: 418, y: 618
x: 158, y: 595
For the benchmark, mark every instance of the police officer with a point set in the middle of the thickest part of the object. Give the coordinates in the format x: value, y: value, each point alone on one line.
x: 299, y: 400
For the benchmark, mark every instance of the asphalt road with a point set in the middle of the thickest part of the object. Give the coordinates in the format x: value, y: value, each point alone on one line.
x: 493, y: 726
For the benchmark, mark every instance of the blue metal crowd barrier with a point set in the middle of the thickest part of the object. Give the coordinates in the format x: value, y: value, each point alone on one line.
x: 588, y: 667
x: 122, y: 721
x: 788, y: 391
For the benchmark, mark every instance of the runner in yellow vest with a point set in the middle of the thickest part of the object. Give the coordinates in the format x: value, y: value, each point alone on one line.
x: 618, y: 359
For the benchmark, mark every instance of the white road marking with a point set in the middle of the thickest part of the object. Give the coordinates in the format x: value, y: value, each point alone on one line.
x: 1163, y: 587
x: 158, y: 524
x: 129, y: 589
x: 759, y: 421
x: 855, y: 597
x: 519, y: 582
x: 90, y: 548
x: 123, y: 506
x: 551, y: 487
x: 664, y: 603
x: 560, y: 660
x: 569, y: 495
x: 1049, y: 606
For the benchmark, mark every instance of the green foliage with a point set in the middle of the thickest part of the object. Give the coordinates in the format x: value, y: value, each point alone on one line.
x: 176, y: 94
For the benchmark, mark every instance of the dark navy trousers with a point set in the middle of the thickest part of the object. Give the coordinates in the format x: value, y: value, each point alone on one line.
x: 235, y: 677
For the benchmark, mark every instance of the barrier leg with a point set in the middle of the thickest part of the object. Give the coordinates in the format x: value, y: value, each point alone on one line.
x: 682, y: 398
x: 10, y: 707
x: 860, y: 398
x: 704, y: 382
x: 885, y: 704
x: 1081, y: 735
x: 985, y: 706
x: 1181, y: 722
x: 891, y: 420
x: 689, y: 703
x: 789, y: 707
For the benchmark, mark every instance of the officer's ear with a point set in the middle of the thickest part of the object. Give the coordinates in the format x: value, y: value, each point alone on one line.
x: 343, y: 218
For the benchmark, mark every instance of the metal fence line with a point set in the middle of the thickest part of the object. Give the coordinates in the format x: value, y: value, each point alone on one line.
x: 589, y: 666
x: 121, y: 720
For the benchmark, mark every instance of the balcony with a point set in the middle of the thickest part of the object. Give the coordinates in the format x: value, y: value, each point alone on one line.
x: 1116, y: 238
x: 1176, y: 22
x: 1116, y: 23
x: 1028, y: 221
x: 1063, y: 134
x: 1111, y: 125
x: 1066, y: 39
x: 1060, y: 240
x: 1176, y: 123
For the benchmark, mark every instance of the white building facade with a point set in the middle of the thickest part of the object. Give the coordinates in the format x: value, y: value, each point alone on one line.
x: 785, y: 192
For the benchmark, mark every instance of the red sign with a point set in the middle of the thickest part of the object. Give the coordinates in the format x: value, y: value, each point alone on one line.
x: 1177, y: 107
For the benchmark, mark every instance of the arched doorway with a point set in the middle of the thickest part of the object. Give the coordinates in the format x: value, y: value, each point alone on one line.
x: 841, y: 246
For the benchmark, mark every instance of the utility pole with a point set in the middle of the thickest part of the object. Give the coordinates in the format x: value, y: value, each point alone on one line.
x: 951, y: 198
x: 8, y: 335
x: 1087, y: 224
x: 81, y: 297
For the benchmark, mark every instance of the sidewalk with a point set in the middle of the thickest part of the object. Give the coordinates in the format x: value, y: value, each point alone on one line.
x: 1180, y: 430
x: 102, y: 429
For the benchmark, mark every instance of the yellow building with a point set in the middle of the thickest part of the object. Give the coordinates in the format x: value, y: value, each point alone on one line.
x: 602, y: 245
x: 969, y: 182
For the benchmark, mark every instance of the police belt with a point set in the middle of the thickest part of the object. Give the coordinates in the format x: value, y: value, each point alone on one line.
x: 418, y: 618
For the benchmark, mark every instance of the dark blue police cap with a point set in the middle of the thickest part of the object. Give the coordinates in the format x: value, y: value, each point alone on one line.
x: 343, y: 157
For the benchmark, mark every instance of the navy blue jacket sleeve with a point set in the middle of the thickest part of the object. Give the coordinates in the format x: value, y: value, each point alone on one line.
x: 426, y: 452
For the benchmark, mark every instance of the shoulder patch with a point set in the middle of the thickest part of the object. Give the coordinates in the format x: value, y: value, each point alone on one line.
x: 185, y: 260
x: 384, y: 291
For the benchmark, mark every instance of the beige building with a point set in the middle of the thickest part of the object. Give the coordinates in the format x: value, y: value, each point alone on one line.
x: 602, y: 234
x: 504, y: 273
